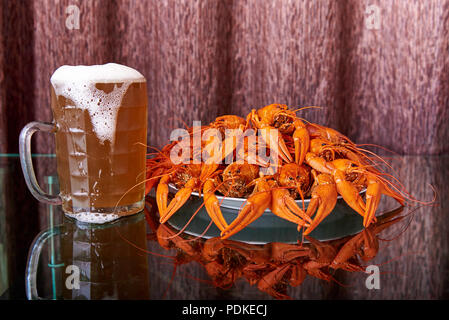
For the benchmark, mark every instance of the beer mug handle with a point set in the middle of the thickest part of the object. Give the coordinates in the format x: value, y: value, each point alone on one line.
x: 27, y: 164
x: 33, y: 261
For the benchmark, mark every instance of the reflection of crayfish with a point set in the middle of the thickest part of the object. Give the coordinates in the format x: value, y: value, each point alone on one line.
x: 276, y: 266
x: 325, y: 164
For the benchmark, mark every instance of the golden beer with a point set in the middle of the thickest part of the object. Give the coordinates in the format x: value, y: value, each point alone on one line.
x: 101, y: 117
x: 109, y: 267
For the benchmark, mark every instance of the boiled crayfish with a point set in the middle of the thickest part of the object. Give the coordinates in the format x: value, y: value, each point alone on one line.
x: 325, y: 164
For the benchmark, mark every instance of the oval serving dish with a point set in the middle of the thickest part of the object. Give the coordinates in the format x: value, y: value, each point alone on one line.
x: 238, y: 203
x: 341, y: 222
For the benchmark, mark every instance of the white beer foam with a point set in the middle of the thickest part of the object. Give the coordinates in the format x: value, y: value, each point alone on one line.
x: 104, y: 73
x: 77, y: 83
x: 98, y: 218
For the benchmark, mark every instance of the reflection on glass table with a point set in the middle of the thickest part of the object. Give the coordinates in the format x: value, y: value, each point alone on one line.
x: 413, y: 265
x: 412, y: 254
x: 94, y: 261
x: 272, y: 266
x: 21, y: 218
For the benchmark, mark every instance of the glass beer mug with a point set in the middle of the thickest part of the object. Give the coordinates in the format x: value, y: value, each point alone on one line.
x: 100, y: 125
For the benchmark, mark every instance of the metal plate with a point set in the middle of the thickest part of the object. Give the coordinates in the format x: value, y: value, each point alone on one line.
x: 343, y: 221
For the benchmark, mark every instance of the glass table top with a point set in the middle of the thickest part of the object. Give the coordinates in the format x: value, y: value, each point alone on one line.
x: 138, y: 258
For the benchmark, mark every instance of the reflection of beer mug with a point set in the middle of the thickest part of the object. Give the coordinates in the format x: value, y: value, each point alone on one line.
x: 90, y: 261
x: 100, y: 122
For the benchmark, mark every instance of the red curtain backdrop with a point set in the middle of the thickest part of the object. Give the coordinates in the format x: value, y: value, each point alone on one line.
x: 381, y: 75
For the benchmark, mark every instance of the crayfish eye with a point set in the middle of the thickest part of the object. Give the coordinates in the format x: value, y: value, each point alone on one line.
x: 290, y: 178
x: 238, y: 171
x: 323, y: 144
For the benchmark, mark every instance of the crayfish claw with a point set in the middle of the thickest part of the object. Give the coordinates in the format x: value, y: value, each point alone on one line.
x: 254, y: 208
x: 273, y: 140
x: 180, y: 198
x: 213, y: 206
x: 301, y: 140
x: 284, y: 206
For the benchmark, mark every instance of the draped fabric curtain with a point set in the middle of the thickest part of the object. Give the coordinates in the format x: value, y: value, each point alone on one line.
x: 378, y: 69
